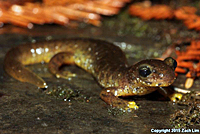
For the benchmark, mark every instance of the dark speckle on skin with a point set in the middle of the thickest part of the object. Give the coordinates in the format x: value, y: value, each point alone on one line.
x: 148, y: 82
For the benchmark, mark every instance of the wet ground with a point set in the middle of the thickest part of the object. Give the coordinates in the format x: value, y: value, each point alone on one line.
x: 74, y: 105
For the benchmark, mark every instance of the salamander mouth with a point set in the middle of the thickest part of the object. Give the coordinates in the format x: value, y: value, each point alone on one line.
x: 156, y: 83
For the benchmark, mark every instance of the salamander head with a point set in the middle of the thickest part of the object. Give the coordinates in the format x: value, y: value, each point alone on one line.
x: 155, y: 73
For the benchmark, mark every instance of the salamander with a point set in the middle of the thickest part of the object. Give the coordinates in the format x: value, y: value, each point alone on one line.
x: 105, y: 61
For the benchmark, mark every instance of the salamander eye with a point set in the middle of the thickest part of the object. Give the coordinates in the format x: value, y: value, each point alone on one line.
x: 144, y: 71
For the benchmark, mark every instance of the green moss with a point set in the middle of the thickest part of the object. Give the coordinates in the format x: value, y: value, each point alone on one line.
x: 62, y: 92
x: 116, y: 111
x: 125, y: 24
x: 186, y: 118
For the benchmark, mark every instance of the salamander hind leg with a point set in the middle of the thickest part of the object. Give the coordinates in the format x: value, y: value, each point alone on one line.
x: 57, y: 61
x: 109, y: 95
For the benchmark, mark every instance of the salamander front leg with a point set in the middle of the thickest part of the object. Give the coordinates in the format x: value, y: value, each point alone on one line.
x: 57, y: 61
x: 168, y: 92
x: 109, y: 95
